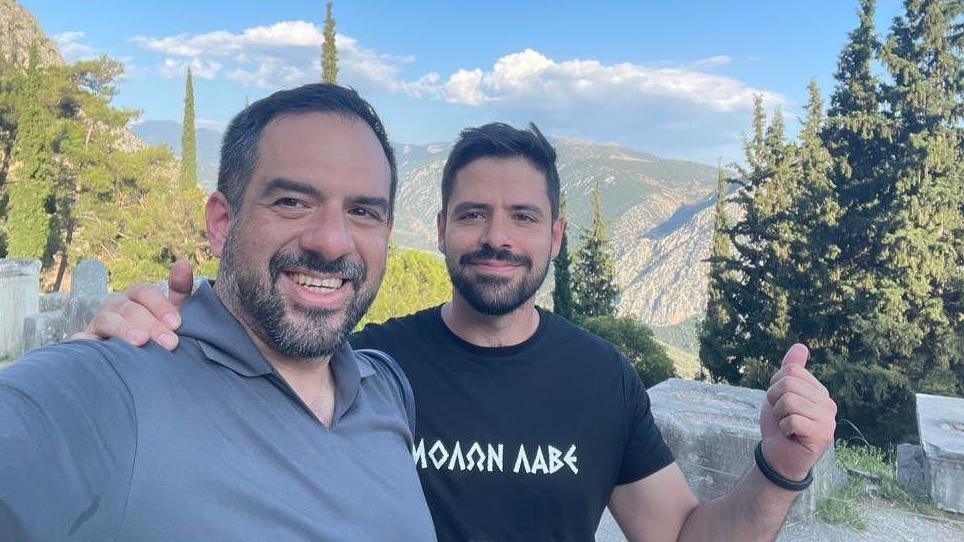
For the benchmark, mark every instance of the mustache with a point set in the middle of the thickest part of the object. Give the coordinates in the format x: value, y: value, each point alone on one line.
x: 502, y: 255
x: 354, y: 271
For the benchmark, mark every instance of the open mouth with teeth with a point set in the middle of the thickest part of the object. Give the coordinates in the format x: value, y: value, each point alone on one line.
x: 317, y: 284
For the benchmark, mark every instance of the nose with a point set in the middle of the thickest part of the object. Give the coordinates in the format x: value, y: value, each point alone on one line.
x: 496, y: 232
x: 329, y: 236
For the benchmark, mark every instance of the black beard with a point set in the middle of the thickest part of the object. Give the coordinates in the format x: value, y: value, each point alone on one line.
x: 264, y: 311
x: 495, y: 296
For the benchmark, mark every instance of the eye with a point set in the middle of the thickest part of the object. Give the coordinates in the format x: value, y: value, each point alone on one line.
x: 472, y: 215
x: 365, y: 212
x: 290, y: 203
x: 525, y: 217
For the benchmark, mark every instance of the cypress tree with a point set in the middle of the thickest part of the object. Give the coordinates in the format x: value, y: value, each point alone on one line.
x: 329, y: 53
x: 188, y: 177
x: 30, y: 188
x: 594, y: 286
x: 562, y: 288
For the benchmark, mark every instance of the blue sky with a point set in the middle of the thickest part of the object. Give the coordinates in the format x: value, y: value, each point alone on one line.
x: 672, y: 78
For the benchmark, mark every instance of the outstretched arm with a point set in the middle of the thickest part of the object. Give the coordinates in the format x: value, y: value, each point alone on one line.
x: 797, y: 425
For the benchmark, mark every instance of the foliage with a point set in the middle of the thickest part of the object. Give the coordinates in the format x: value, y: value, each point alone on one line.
x: 188, y: 176
x: 635, y: 341
x: 873, y: 476
x: 851, y: 240
x: 82, y: 187
x: 594, y: 273
x: 414, y: 280
x: 562, y: 284
x: 718, y: 324
x: 329, y: 53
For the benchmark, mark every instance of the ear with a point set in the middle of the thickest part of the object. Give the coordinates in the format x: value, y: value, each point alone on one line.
x: 558, y: 229
x: 440, y: 229
x: 217, y: 218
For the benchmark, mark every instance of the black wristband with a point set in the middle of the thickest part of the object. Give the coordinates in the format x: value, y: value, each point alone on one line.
x: 775, y: 477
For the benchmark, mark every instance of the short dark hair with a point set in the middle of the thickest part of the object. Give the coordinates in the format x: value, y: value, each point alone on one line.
x: 239, y: 148
x: 500, y: 140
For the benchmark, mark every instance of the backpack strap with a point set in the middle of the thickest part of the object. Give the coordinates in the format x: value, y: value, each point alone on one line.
x: 404, y: 387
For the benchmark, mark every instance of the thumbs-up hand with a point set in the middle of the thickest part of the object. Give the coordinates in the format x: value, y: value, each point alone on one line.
x: 797, y: 420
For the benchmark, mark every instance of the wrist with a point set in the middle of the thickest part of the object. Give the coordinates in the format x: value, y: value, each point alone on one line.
x: 790, y: 484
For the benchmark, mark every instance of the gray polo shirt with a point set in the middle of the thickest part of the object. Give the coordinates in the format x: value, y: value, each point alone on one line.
x: 102, y: 441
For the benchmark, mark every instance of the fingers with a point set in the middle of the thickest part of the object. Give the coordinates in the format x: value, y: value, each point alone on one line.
x: 798, y: 354
x: 158, y: 307
x: 798, y: 381
x: 180, y: 282
x: 128, y: 317
x: 803, y: 412
x: 109, y: 323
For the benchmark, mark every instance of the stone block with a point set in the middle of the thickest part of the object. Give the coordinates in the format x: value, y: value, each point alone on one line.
x: 712, y: 430
x: 54, y: 301
x: 910, y: 469
x: 940, y: 421
x: 89, y: 279
x: 19, y: 298
x: 80, y: 310
x: 43, y: 328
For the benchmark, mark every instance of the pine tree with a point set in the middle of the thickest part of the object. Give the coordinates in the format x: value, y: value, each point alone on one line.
x: 763, y: 266
x: 329, y: 53
x: 188, y: 177
x: 717, y: 330
x: 594, y: 286
x: 562, y: 288
x: 911, y: 326
x: 816, y: 305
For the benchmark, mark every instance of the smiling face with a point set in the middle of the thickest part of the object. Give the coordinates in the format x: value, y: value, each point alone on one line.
x: 303, y: 257
x: 497, y: 233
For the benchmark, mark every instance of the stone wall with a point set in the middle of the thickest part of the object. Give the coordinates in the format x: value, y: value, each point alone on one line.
x: 30, y: 319
x: 713, y: 429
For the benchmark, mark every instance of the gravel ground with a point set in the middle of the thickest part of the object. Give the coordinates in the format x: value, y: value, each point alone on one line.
x: 885, y: 524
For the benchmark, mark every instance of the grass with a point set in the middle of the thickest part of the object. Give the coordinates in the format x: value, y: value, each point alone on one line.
x: 873, y: 479
x: 686, y: 364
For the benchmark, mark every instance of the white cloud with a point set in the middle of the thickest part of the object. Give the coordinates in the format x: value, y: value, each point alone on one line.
x: 281, y: 54
x: 530, y: 78
x: 175, y: 68
x: 71, y: 48
x: 712, y: 62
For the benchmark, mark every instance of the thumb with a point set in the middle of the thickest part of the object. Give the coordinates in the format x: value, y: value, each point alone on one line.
x: 180, y: 282
x: 796, y: 355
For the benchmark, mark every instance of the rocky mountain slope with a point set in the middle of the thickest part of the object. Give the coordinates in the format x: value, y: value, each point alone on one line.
x: 19, y: 31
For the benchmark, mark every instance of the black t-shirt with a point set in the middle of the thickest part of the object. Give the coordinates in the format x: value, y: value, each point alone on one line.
x: 524, y: 442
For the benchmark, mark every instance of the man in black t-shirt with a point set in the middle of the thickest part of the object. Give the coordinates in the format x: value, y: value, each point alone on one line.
x: 527, y: 425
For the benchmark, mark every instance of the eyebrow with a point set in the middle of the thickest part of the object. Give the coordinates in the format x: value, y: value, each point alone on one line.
x: 288, y: 185
x: 282, y: 184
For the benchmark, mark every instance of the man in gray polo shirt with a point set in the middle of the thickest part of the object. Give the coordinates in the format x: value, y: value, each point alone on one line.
x: 264, y: 425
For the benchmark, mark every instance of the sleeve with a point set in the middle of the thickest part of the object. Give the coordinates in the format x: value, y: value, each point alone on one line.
x: 67, y: 440
x: 646, y: 452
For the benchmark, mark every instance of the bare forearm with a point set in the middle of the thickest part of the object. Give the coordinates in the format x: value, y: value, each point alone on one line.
x: 753, y: 511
